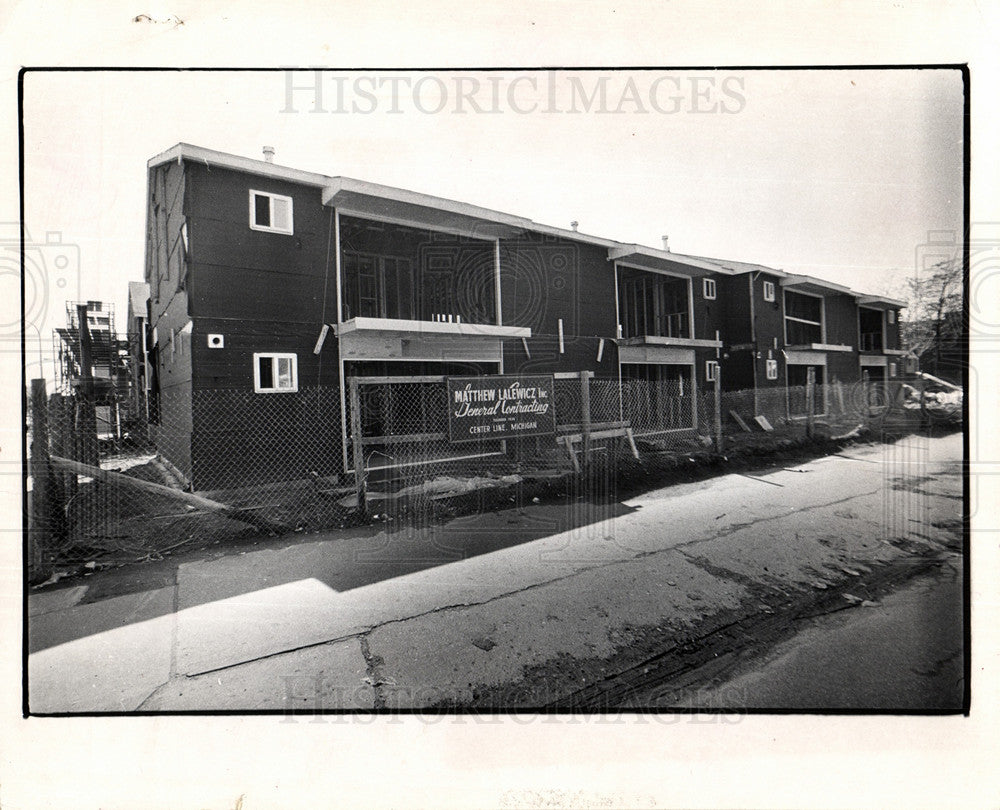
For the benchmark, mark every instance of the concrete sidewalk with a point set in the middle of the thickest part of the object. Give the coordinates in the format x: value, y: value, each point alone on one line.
x: 411, y: 618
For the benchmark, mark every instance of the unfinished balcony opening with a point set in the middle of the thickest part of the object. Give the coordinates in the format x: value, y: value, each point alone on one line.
x: 652, y: 304
x: 872, y: 329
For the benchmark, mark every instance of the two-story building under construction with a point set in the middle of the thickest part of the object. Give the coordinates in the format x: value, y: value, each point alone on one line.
x: 274, y: 285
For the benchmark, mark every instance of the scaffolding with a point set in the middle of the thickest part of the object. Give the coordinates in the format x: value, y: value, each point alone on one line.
x: 91, y: 364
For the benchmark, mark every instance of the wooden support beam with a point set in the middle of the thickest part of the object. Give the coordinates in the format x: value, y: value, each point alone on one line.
x: 360, y: 474
x: 242, y: 514
x: 631, y: 441
x: 739, y: 421
x: 568, y: 444
x: 405, y: 439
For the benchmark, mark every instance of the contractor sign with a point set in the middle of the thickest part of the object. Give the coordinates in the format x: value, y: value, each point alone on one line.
x: 500, y: 407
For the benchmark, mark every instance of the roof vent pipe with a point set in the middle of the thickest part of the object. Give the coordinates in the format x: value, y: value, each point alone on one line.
x: 666, y: 242
x: 269, y: 154
x: 574, y: 224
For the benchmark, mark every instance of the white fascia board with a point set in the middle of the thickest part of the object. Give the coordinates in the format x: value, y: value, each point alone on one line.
x: 347, y: 185
x: 210, y: 157
x: 400, y: 326
x: 636, y: 254
x: 887, y: 303
x: 795, y: 281
x: 831, y: 347
x: 574, y: 236
x: 657, y: 340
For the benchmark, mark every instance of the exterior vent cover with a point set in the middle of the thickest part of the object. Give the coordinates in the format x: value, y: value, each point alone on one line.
x: 216, y: 342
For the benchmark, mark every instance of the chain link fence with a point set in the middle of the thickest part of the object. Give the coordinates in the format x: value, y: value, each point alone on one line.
x: 218, y: 466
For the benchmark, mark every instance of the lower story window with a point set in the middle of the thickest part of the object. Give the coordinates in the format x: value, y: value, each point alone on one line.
x: 275, y: 372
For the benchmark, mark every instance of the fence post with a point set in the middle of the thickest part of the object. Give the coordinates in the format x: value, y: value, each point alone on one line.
x: 839, y: 388
x: 810, y: 401
x: 360, y: 483
x: 61, y: 441
x: 717, y: 415
x: 43, y: 515
x: 585, y: 415
x: 923, y: 402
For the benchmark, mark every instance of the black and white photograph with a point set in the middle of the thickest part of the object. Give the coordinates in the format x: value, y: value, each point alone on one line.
x: 376, y: 401
x: 326, y: 428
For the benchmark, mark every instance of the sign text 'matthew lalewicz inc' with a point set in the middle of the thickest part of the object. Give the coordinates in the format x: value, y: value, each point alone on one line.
x: 500, y: 407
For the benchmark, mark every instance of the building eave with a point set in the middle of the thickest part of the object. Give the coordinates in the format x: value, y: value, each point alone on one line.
x: 364, y: 199
x: 416, y: 328
x: 813, y: 283
x: 653, y: 259
x: 880, y: 302
x: 657, y: 340
x: 210, y: 157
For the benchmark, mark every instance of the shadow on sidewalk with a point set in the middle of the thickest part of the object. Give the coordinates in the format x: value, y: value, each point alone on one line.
x: 343, y: 561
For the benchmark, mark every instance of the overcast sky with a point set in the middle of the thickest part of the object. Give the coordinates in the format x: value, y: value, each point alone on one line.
x: 839, y: 174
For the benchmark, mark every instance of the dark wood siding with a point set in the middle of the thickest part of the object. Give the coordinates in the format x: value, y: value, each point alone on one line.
x: 709, y: 315
x: 166, y: 274
x: 734, y: 294
x: 841, y: 319
x: 737, y: 370
x: 263, y: 292
x: 246, y: 439
x: 892, y: 332
x: 253, y: 275
x: 580, y: 354
x: 232, y: 365
x: 546, y: 278
x: 768, y: 327
x: 843, y: 367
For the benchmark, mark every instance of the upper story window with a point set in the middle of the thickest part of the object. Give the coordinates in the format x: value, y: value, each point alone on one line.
x: 708, y: 288
x: 803, y: 318
x: 270, y: 212
x: 870, y: 329
x: 652, y: 304
x: 275, y: 373
x: 768, y: 290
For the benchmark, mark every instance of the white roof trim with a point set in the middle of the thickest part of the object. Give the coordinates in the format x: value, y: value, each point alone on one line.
x: 333, y: 185
x: 347, y: 185
x: 636, y: 253
x: 198, y: 154
x: 880, y: 299
x: 794, y: 281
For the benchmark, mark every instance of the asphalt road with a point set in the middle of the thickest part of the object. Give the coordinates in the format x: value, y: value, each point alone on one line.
x: 900, y: 653
x: 525, y: 608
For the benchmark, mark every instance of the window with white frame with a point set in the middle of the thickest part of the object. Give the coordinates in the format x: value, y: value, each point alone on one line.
x: 708, y: 288
x: 772, y: 369
x: 275, y: 373
x: 768, y: 290
x: 711, y: 370
x: 270, y: 212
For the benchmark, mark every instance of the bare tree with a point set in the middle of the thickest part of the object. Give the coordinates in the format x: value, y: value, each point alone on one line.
x: 933, y: 322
